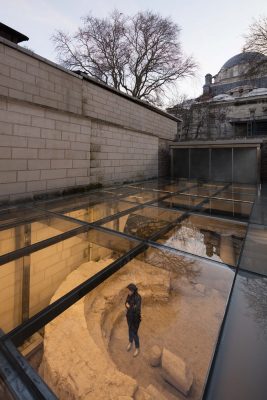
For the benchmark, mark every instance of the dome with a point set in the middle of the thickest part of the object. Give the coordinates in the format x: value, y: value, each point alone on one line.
x: 242, y: 58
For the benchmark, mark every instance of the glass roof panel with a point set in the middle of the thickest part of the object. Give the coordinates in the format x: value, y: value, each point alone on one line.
x: 73, y: 202
x: 228, y: 208
x: 217, y: 239
x: 213, y: 185
x: 182, y: 273
x: 228, y: 195
x: 145, y: 196
x: 254, y: 256
x: 183, y: 304
x: 165, y: 185
x: 259, y: 211
x: 15, y: 215
x: 242, y: 353
x: 181, y: 201
x: 144, y: 222
x: 31, y: 227
x: 4, y: 391
x: 28, y: 284
x: 243, y: 188
x: 96, y: 212
x: 201, y: 191
x: 121, y: 191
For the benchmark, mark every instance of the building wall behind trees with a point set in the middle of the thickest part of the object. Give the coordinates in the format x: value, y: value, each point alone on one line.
x: 238, y: 118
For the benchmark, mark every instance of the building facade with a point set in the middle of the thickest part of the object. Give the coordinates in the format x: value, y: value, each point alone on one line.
x: 233, y: 103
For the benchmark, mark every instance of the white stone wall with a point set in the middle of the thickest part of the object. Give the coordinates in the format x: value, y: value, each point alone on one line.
x: 58, y: 130
x: 41, y: 150
x: 108, y: 106
x: 118, y: 155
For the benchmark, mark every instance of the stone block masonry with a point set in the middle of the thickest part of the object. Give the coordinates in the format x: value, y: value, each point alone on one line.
x: 60, y: 130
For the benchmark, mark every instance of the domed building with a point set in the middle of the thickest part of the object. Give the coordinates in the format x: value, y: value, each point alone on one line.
x: 230, y: 115
x: 233, y: 103
x: 239, y: 75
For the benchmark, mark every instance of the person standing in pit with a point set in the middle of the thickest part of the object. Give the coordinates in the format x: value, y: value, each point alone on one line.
x: 133, y: 315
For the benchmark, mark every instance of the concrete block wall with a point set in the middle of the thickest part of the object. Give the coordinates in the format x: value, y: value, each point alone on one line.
x: 30, y: 78
x: 41, y: 150
x: 119, y: 155
x: 48, y: 268
x: 108, y: 106
x: 47, y: 116
x: 10, y: 294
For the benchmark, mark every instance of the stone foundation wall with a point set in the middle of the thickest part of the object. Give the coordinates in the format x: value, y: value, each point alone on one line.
x: 59, y: 130
x: 48, y: 269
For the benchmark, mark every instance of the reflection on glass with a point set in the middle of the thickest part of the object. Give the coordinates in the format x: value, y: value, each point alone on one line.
x: 165, y: 186
x: 32, y: 230
x: 226, y: 208
x: 200, y: 191
x: 217, y: 239
x: 181, y: 201
x: 99, y: 211
x: 144, y: 222
x: 10, y: 294
x: 254, y: 257
x: 254, y: 289
x: 144, y: 196
x: 83, y: 350
x: 13, y: 215
x: 120, y: 191
x: 4, y: 392
x: 85, y: 347
x: 74, y: 202
x: 243, y: 188
x: 235, y: 196
x: 27, y: 284
x: 259, y: 212
x: 213, y: 185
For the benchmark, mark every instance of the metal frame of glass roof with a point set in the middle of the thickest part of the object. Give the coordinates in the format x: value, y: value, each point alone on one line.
x: 21, y: 379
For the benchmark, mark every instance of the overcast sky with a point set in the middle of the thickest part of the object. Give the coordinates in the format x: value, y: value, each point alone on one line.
x: 212, y: 31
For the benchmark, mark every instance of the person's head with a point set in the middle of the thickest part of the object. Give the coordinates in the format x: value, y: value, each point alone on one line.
x: 132, y: 288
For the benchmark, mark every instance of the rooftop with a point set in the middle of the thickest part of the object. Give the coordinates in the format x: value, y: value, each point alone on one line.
x: 242, y: 58
x: 11, y: 34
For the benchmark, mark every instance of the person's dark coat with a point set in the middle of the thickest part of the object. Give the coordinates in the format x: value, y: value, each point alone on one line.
x: 133, y: 314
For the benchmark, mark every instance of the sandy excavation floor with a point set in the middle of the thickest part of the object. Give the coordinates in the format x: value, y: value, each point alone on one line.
x: 187, y: 325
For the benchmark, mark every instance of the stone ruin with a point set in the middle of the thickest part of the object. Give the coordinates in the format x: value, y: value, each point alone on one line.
x: 76, y: 362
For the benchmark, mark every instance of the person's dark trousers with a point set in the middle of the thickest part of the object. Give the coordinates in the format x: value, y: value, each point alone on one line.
x: 133, y: 335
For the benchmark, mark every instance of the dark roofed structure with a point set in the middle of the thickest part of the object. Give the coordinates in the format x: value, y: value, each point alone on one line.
x: 11, y: 34
x: 242, y: 58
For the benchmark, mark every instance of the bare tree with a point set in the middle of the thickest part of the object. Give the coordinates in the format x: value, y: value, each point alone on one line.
x: 182, y: 108
x: 256, y: 38
x: 208, y: 119
x: 139, y: 55
x: 256, y: 41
